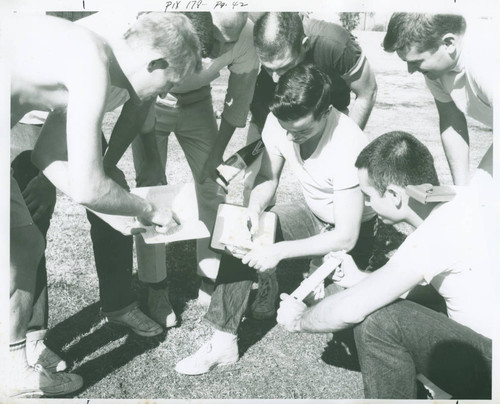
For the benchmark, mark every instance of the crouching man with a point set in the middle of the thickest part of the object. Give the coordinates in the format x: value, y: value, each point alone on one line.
x: 321, y: 145
x: 451, y: 249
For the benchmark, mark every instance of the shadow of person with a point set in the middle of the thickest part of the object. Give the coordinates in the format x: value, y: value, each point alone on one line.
x: 459, y: 369
x: 341, y: 351
x: 93, y: 348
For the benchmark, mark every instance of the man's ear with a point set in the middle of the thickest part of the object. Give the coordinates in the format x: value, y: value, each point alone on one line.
x: 394, y: 193
x: 450, y: 41
x: 157, y: 64
x: 306, y: 43
x: 330, y: 107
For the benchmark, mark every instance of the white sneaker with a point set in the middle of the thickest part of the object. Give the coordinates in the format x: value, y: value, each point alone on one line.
x: 38, y: 353
x: 208, y: 357
x: 137, y: 321
x: 37, y: 382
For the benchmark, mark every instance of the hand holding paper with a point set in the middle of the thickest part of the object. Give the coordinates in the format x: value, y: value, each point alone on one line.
x: 239, y: 230
x: 176, y: 206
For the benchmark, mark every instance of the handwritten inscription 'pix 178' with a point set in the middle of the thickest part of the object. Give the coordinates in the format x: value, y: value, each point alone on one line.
x: 202, y: 5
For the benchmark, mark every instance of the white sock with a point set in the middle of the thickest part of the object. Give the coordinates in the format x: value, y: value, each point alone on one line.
x: 222, y: 338
x: 18, y: 356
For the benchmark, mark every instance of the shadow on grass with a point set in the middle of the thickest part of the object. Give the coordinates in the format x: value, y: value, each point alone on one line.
x: 341, y: 351
x: 93, y: 349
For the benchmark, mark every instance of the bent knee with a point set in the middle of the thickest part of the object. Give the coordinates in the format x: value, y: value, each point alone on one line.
x: 381, y: 322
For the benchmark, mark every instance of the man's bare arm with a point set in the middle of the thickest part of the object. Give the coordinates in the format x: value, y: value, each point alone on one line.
x: 455, y: 139
x: 364, y: 86
x: 83, y: 178
x: 266, y: 182
x: 351, y: 306
x: 348, y: 211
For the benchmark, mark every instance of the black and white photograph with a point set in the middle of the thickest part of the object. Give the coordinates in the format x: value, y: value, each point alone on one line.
x: 249, y: 200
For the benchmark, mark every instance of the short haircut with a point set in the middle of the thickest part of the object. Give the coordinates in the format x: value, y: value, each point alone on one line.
x: 397, y: 158
x: 422, y: 31
x: 302, y: 90
x: 274, y: 33
x: 172, y: 35
x: 204, y: 27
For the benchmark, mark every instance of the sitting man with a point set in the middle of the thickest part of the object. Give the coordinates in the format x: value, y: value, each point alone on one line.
x: 451, y: 249
x: 70, y: 72
x: 459, y: 74
x: 321, y: 145
x: 282, y: 41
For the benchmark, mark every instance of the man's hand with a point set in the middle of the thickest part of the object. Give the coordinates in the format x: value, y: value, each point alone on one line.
x: 162, y: 218
x: 39, y: 196
x: 347, y: 274
x: 290, y: 312
x: 151, y: 174
x: 264, y: 258
x: 209, y: 168
x: 253, y: 221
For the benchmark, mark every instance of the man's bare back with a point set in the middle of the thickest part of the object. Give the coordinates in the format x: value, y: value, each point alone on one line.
x: 46, y: 56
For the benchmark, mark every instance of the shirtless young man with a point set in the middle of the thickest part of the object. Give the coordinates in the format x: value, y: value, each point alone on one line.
x: 69, y: 71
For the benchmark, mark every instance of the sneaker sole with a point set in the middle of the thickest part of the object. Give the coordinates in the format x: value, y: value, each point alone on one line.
x: 138, y: 332
x: 39, y: 393
x: 208, y: 370
x: 28, y: 394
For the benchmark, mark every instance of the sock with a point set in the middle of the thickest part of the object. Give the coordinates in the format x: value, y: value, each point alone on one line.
x: 222, y: 338
x: 158, y: 285
x: 18, y: 355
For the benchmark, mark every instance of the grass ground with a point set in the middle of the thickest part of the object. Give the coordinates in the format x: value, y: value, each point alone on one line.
x: 274, y: 363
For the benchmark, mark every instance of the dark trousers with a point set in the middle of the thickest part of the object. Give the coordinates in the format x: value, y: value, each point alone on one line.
x: 112, y: 250
x: 232, y: 288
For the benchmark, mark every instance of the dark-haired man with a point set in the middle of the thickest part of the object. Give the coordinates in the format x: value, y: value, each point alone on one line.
x: 451, y: 249
x: 320, y: 144
x: 458, y: 70
x: 283, y: 40
x: 188, y: 111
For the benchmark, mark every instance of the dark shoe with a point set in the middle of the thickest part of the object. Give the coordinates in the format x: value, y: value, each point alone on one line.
x: 264, y: 305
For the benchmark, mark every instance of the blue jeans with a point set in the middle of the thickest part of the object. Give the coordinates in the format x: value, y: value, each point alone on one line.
x: 404, y: 339
x: 234, y: 280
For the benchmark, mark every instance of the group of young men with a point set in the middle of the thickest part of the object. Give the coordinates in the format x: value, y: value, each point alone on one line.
x: 78, y: 71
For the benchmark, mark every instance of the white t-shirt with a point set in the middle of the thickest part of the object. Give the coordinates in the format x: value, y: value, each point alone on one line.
x: 471, y: 83
x: 331, y: 166
x: 454, y: 250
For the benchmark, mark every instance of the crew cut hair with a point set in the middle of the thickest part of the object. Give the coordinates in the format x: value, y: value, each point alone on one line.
x: 422, y: 31
x: 397, y: 158
x: 172, y: 35
x: 204, y: 28
x: 274, y: 33
x: 302, y: 90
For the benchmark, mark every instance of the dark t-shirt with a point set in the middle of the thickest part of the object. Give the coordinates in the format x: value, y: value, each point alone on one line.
x: 333, y: 50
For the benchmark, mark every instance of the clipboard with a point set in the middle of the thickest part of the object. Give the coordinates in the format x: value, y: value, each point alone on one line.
x: 231, y: 229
